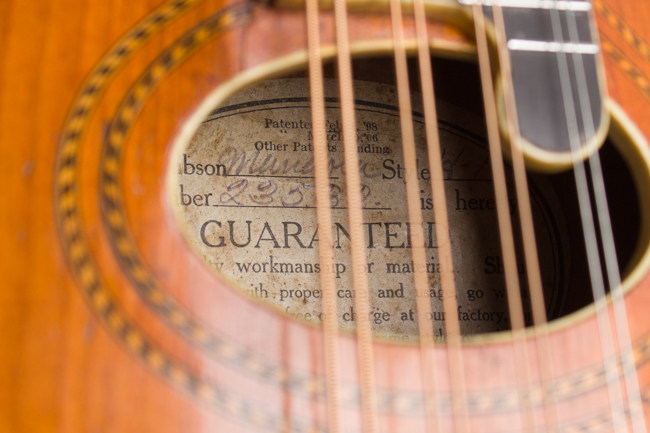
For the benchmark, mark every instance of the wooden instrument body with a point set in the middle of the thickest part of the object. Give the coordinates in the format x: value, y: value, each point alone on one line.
x: 111, y: 323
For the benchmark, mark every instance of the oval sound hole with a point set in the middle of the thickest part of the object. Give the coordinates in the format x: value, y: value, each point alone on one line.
x: 245, y: 192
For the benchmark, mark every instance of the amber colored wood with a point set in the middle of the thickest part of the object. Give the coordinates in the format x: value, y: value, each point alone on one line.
x: 65, y: 368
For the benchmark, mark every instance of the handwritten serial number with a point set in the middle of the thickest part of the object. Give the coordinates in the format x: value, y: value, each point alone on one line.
x: 242, y: 192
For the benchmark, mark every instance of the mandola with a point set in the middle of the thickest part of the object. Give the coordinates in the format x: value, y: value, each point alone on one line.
x: 304, y: 216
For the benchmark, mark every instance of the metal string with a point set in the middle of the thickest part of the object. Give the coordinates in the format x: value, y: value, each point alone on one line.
x: 527, y: 228
x: 515, y: 305
x: 609, y: 251
x: 324, y: 219
x: 355, y: 218
x: 591, y: 243
x: 423, y: 302
x: 365, y: 342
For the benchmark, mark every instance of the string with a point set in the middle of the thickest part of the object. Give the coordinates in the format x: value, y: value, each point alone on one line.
x: 355, y: 218
x: 447, y: 282
x: 515, y: 305
x: 609, y: 251
x: 324, y: 219
x: 611, y: 263
x: 417, y: 235
x: 423, y: 303
x: 591, y: 243
x: 527, y: 228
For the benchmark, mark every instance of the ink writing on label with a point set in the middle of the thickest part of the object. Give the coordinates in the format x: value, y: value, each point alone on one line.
x: 245, y: 191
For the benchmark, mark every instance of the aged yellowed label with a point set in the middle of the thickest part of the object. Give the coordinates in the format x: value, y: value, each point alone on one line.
x: 245, y: 192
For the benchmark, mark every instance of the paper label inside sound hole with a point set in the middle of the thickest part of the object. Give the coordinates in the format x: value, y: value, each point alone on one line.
x: 245, y: 192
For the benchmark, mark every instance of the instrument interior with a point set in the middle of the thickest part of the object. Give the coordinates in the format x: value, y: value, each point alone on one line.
x: 457, y: 82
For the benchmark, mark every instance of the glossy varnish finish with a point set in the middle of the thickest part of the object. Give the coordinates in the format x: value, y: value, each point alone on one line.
x: 108, y: 322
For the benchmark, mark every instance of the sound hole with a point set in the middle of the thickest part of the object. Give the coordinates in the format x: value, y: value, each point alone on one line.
x: 245, y: 192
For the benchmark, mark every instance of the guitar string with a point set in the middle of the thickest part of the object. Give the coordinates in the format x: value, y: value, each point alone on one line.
x: 355, y: 220
x: 609, y: 251
x: 414, y: 225
x: 602, y: 211
x: 588, y: 226
x: 506, y: 236
x: 423, y: 302
x: 441, y: 217
x: 439, y: 202
x: 591, y: 243
x: 604, y: 324
x: 538, y: 305
x: 324, y: 222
